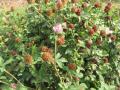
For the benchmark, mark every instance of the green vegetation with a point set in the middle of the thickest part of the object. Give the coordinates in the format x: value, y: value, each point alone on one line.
x: 60, y: 46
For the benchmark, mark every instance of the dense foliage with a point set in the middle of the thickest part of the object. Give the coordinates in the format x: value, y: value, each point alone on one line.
x: 60, y: 45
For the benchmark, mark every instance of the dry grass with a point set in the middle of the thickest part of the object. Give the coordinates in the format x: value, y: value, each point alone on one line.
x: 116, y: 5
x: 7, y: 4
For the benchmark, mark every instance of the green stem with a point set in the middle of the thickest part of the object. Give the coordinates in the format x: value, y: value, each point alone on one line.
x: 55, y: 66
x: 55, y: 45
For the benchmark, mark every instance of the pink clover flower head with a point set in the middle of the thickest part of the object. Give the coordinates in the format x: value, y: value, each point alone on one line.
x: 13, y: 85
x: 58, y: 28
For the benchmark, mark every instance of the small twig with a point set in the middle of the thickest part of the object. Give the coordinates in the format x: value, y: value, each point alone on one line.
x: 13, y: 77
x: 4, y: 82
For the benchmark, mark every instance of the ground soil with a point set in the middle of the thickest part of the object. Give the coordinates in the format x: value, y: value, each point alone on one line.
x: 7, y: 4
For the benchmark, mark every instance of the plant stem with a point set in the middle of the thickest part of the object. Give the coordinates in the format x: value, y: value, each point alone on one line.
x: 57, y: 72
x: 55, y: 46
x: 13, y: 77
x: 4, y: 82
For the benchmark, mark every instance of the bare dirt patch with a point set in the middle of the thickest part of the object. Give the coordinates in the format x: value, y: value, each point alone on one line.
x: 7, y: 4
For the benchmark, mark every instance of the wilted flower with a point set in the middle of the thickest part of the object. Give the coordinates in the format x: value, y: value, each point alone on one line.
x: 108, y: 7
x: 65, y: 2
x: 28, y: 59
x: 50, y: 12
x: 60, y: 40
x: 58, y: 28
x: 85, y: 5
x: 17, y: 40
x: 59, y: 4
x: 72, y: 66
x: 47, y: 1
x: 74, y: 1
x: 48, y: 56
x: 97, y: 5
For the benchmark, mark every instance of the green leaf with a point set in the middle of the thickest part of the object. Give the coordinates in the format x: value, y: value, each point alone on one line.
x: 22, y: 88
x: 43, y: 73
x: 60, y: 61
x: 82, y: 86
x: 10, y: 60
x: 1, y: 62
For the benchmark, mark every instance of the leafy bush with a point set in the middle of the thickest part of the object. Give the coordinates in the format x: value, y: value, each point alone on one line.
x: 63, y: 45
